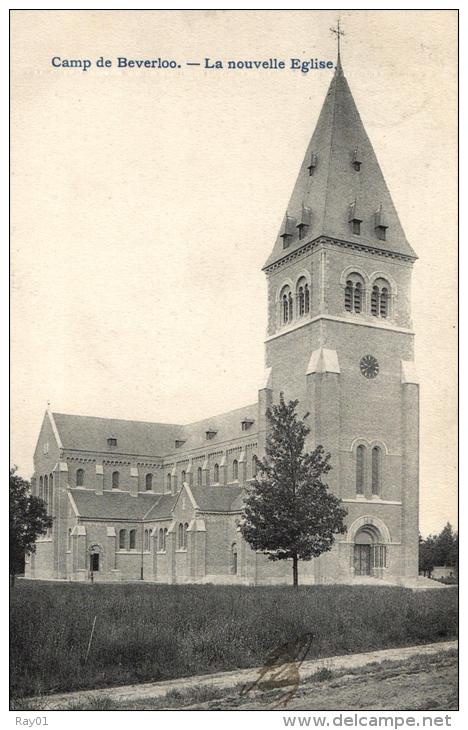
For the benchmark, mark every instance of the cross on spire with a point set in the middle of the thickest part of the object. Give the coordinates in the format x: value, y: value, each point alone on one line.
x: 338, y: 32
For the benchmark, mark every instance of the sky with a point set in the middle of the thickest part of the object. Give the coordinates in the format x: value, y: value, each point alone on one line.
x: 146, y: 201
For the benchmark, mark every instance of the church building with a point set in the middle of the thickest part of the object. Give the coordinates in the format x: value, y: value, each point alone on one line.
x: 162, y: 502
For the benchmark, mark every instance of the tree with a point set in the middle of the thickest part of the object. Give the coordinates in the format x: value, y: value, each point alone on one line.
x: 427, y: 554
x: 28, y: 520
x: 289, y: 512
x: 445, y: 546
x: 439, y: 549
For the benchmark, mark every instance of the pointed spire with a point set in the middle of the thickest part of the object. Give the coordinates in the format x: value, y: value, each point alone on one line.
x: 339, y: 167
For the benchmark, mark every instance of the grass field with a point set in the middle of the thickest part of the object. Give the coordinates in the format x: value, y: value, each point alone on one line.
x: 149, y: 632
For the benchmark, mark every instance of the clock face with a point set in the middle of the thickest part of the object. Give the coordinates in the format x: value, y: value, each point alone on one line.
x: 369, y: 366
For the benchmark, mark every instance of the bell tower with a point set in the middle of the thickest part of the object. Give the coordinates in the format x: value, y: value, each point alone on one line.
x: 340, y: 339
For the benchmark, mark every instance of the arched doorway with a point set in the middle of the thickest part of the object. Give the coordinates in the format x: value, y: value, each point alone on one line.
x: 95, y: 555
x: 369, y: 538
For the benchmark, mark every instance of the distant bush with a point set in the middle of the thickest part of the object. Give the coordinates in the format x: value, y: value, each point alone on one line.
x: 448, y: 580
x: 158, y: 632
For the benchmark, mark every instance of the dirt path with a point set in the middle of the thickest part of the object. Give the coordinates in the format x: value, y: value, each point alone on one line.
x: 416, y: 684
x: 148, y: 693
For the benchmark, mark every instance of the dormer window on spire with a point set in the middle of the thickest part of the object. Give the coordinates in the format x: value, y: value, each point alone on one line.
x: 355, y: 219
x: 380, y: 224
x: 313, y: 164
x: 357, y: 162
x: 287, y: 230
x: 304, y: 222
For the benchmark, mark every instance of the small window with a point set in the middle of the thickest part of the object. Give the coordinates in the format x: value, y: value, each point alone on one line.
x: 149, y: 482
x: 358, y: 298
x: 302, y: 297
x: 381, y: 233
x: 234, y: 562
x: 285, y: 306
x: 184, y: 476
x: 313, y: 164
x: 360, y: 468
x: 199, y: 476
x: 254, y: 466
x: 356, y: 227
x: 169, y: 482
x: 357, y: 162
x: 147, y: 541
x: 132, y: 540
x: 185, y: 535
x: 210, y: 435
x: 122, y: 539
x: 376, y: 470
x: 384, y: 302
x: 235, y: 470
x: 79, y: 477
x: 301, y: 301
x: 179, y: 443
x: 112, y: 441
x: 380, y: 299
x: 216, y: 473
x: 349, y: 296
x: 162, y: 539
x: 375, y: 301
x: 354, y: 294
x: 69, y: 538
x: 246, y: 424
x: 180, y: 536
x: 115, y: 479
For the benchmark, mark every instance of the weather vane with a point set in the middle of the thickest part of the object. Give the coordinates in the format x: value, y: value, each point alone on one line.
x: 338, y: 32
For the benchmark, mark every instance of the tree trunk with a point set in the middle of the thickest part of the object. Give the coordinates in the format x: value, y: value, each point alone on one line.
x: 295, y: 581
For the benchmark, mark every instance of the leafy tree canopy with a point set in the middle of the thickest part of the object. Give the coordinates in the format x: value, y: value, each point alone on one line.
x: 28, y: 520
x: 289, y: 512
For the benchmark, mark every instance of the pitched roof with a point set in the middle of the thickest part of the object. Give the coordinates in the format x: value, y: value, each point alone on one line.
x: 115, y: 504
x: 122, y: 505
x: 216, y: 499
x: 162, y: 508
x: 225, y: 427
x: 338, y: 139
x: 133, y: 437
x: 141, y: 438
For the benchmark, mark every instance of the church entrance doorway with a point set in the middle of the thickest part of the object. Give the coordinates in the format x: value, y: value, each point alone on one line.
x: 362, y: 560
x: 370, y: 553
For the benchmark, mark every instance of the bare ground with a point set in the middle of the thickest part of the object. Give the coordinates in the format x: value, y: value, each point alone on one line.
x: 416, y: 684
x: 419, y: 682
